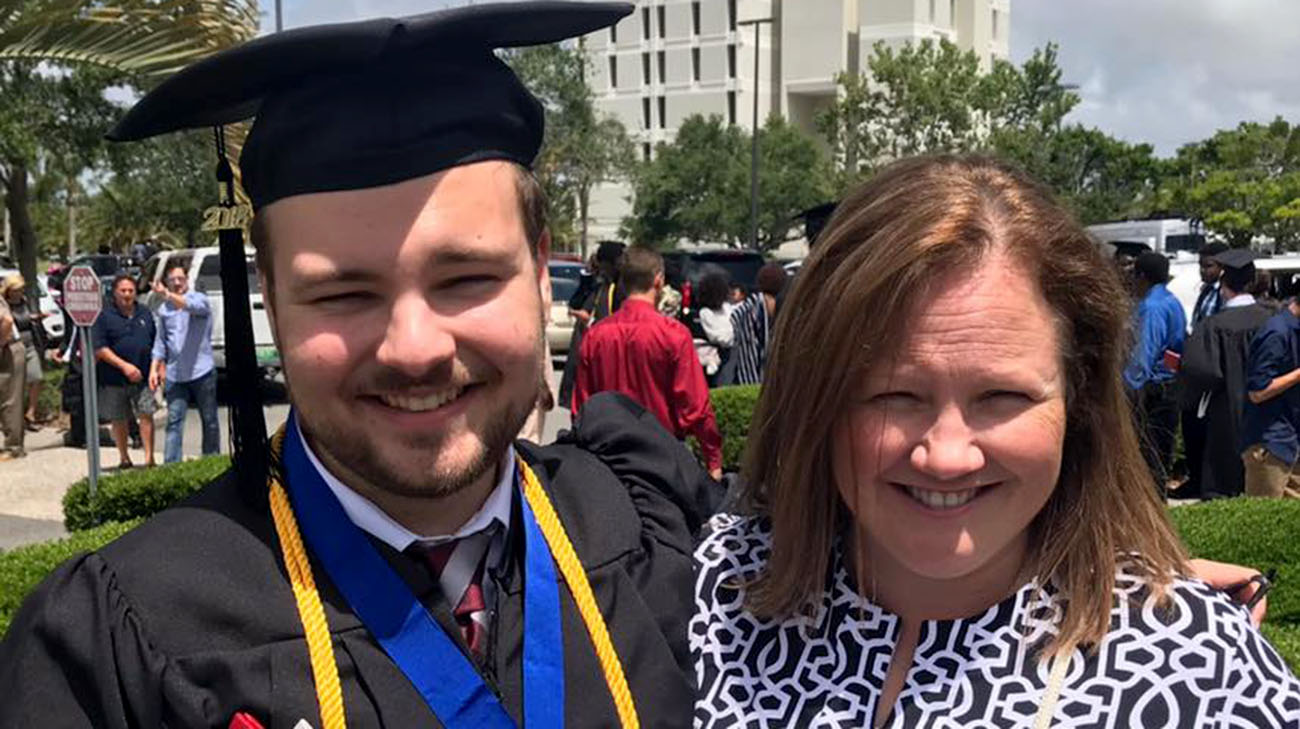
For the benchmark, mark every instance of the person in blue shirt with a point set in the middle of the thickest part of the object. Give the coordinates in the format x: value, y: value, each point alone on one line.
x: 1270, y: 445
x: 123, y: 337
x: 182, y: 362
x: 1160, y: 327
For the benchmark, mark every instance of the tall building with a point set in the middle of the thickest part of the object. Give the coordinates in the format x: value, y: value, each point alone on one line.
x: 673, y: 58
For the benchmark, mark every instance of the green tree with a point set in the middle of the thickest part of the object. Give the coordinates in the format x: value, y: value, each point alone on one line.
x: 582, y: 148
x: 57, y: 58
x: 698, y: 187
x: 932, y: 97
x: 1101, y: 178
x: 1244, y: 183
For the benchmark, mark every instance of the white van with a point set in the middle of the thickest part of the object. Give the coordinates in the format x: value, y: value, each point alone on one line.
x: 1162, y: 235
x: 203, y: 266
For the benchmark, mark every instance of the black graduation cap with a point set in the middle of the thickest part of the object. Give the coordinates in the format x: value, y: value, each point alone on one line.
x: 351, y: 106
x: 815, y: 218
x: 1235, y: 258
x: 364, y: 104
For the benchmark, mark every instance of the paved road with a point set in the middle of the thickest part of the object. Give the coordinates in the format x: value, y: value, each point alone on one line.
x: 32, y: 488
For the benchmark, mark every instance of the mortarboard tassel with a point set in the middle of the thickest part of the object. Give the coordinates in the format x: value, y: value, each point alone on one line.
x: 248, y: 444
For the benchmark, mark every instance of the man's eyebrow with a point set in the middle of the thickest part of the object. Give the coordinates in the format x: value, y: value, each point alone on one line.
x: 462, y: 254
x: 330, y: 275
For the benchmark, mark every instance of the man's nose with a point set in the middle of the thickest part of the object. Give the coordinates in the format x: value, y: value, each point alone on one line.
x: 948, y: 450
x: 416, y: 339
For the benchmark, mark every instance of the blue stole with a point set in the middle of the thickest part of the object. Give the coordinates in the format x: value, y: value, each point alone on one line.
x: 430, y: 659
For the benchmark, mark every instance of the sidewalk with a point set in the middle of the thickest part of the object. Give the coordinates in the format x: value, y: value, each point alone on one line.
x: 32, y: 488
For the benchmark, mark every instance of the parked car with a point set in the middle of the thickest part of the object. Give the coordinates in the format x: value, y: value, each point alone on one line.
x: 565, y: 277
x: 105, y: 265
x: 203, y: 266
x: 684, y: 269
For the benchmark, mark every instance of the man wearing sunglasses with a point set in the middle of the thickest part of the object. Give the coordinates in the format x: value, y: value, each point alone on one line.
x: 182, y: 361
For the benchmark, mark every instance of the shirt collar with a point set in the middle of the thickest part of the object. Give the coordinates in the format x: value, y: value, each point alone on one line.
x: 1239, y: 300
x: 371, y: 519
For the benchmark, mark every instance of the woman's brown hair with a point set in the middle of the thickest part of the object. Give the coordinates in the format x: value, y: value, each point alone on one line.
x: 885, y: 247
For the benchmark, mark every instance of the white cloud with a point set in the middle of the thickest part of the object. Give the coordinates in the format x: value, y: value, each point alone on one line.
x: 1170, y: 72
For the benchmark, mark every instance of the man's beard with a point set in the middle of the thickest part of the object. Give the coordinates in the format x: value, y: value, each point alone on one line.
x: 365, y: 460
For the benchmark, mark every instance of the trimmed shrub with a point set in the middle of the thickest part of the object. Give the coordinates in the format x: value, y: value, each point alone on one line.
x: 734, y: 408
x: 24, y: 568
x: 138, y: 493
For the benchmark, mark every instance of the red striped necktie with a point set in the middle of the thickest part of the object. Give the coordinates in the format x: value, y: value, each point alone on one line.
x: 457, y: 565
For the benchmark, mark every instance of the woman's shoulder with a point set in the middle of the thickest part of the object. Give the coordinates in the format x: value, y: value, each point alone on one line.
x: 734, y: 539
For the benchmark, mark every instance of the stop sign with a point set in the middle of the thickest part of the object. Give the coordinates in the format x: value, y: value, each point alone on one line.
x: 83, y: 296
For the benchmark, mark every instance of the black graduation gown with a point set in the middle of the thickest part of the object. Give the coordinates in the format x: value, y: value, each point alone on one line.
x: 1214, y: 362
x: 190, y: 617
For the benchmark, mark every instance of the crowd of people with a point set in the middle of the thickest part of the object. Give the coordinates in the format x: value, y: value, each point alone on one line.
x: 140, y: 355
x: 946, y: 516
x: 1224, y: 380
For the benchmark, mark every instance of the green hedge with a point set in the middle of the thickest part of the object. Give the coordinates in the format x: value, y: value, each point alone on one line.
x: 23, y: 568
x: 138, y: 492
x: 734, y: 408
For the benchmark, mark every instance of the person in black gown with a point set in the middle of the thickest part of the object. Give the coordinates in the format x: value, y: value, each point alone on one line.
x: 402, y: 254
x: 1214, y: 374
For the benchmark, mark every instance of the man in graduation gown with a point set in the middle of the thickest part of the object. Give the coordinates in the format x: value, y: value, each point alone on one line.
x: 400, y: 570
x: 1214, y: 370
x: 1208, y: 303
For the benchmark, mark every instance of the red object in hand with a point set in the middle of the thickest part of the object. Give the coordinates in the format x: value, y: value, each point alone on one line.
x: 244, y: 720
x: 1173, y: 360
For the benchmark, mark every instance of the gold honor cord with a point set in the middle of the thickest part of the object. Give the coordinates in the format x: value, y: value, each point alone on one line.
x: 321, y: 649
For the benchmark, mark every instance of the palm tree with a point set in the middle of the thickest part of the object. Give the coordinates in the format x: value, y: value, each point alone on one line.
x: 143, y: 41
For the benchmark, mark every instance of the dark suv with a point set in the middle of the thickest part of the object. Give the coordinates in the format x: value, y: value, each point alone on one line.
x: 684, y: 269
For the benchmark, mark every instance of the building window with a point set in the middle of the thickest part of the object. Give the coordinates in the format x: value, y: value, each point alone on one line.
x: 731, y: 14
x: 645, y: 151
x: 695, y: 64
x: 613, y: 34
x: 731, y: 61
x: 932, y: 12
x: 645, y: 112
x: 613, y: 72
x: 663, y: 68
x: 663, y: 113
x: 952, y: 13
x: 695, y: 17
x: 645, y: 69
x: 995, y: 25
x: 645, y: 23
x: 663, y: 24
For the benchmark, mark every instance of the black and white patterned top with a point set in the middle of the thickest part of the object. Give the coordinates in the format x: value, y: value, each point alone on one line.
x: 1199, y: 665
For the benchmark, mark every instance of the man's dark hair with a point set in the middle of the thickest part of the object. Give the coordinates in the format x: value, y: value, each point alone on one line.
x: 1238, y: 279
x: 1211, y: 249
x: 119, y: 278
x: 1152, y: 267
x: 771, y: 279
x: 713, y: 289
x: 609, y: 251
x: 167, y: 270
x: 638, y: 268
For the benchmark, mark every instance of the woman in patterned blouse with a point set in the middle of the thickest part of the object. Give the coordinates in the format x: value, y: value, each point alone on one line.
x: 954, y: 525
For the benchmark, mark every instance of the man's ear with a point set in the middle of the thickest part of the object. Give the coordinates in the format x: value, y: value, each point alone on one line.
x: 544, y: 269
x: 268, y: 302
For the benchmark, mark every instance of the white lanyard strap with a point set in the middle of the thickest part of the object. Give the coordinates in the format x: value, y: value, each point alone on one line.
x: 1060, y: 663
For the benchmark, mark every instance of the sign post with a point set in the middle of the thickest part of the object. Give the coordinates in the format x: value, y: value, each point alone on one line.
x: 83, y: 299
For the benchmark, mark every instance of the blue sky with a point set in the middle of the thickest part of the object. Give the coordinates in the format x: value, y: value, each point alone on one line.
x: 1165, y: 72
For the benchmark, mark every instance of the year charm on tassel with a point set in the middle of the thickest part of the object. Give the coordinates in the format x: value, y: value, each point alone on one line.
x: 223, y: 217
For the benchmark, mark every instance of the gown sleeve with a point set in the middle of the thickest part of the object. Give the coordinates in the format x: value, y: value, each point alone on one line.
x: 75, y: 656
x: 662, y: 476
